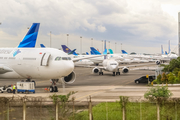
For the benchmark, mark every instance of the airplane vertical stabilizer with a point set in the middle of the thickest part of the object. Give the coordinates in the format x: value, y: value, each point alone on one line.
x: 110, y: 51
x: 169, y: 48
x: 29, y: 40
x: 124, y: 52
x: 67, y: 50
x: 95, y: 51
x: 105, y: 50
x: 162, y: 52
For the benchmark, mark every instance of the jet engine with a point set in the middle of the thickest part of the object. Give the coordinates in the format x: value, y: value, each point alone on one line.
x: 158, y: 62
x: 95, y: 70
x: 125, y: 70
x: 70, y: 78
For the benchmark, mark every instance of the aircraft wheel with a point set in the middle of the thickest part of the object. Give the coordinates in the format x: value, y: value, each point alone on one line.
x: 114, y: 74
x: 55, y: 89
x: 51, y: 89
x: 99, y: 73
x: 102, y: 73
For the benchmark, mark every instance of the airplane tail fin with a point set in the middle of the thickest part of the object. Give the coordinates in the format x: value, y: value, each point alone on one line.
x: 105, y: 52
x: 29, y: 40
x: 110, y: 51
x: 92, y: 53
x: 162, y: 52
x: 65, y: 49
x: 42, y: 46
x: 68, y: 51
x: 72, y: 51
x: 87, y: 53
x: 124, y: 52
x: 95, y: 51
x: 169, y: 47
x: 166, y: 52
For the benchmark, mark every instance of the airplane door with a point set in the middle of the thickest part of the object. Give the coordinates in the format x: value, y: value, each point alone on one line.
x: 45, y: 59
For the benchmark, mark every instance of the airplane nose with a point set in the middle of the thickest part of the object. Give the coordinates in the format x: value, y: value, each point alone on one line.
x: 69, y: 67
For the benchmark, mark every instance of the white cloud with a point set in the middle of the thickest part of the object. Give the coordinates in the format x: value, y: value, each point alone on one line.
x: 101, y: 28
x: 130, y: 22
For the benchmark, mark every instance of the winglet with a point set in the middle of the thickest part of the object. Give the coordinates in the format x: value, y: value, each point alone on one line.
x: 29, y: 40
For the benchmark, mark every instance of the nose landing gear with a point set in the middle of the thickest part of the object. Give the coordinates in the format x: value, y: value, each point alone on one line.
x: 53, y: 87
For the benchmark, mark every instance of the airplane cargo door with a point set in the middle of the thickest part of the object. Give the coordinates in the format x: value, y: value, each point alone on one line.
x: 45, y: 59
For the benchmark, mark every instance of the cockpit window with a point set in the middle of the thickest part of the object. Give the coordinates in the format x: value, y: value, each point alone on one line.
x: 64, y: 58
x: 57, y: 58
x: 113, y: 64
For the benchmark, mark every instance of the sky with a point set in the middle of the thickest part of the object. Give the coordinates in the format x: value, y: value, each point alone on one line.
x: 140, y: 26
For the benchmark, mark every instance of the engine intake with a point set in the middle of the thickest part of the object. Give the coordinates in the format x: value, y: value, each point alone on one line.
x: 158, y: 62
x: 125, y: 70
x: 70, y: 78
x: 95, y: 70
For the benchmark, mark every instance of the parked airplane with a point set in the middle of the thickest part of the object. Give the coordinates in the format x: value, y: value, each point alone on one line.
x: 27, y: 62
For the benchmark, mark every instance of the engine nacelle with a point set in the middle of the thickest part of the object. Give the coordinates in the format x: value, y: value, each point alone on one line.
x: 70, y: 78
x: 158, y: 62
x: 125, y: 70
x: 95, y: 70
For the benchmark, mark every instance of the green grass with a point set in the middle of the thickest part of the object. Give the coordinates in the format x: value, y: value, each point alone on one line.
x: 113, y: 111
x: 134, y: 111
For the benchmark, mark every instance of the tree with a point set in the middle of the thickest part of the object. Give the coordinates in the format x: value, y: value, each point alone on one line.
x: 174, y: 63
x: 164, y: 78
x: 179, y: 75
x: 171, y: 78
x: 158, y: 94
x: 159, y: 78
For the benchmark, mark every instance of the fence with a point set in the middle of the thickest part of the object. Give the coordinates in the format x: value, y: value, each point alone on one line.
x: 37, y: 108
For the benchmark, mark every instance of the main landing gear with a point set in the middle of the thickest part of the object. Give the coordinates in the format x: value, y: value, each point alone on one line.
x: 116, y: 73
x: 53, y: 87
x: 100, y: 73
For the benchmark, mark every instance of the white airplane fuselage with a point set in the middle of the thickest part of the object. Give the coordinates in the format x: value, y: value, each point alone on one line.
x: 110, y: 65
x: 34, y: 63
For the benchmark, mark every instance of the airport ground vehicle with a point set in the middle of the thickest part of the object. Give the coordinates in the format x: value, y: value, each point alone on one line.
x: 25, y: 87
x: 144, y: 79
x: 6, y: 89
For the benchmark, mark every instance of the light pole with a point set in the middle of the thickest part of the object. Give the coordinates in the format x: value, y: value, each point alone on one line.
x: 50, y: 39
x: 91, y: 42
x: 67, y: 39
x: 115, y: 47
x: 102, y: 46
x: 81, y: 44
x: 121, y: 47
x: 109, y: 45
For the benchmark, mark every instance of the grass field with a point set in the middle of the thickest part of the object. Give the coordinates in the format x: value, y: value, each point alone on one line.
x: 134, y: 111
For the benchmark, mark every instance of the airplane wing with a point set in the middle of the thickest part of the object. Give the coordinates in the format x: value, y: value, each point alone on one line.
x: 4, y: 69
x: 137, y: 65
x: 81, y: 58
